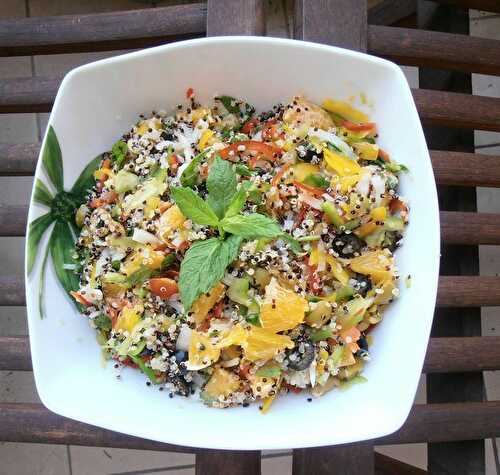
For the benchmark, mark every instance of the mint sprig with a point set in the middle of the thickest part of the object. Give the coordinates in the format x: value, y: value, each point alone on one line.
x: 205, y: 262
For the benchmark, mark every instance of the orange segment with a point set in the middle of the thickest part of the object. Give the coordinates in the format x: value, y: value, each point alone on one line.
x: 202, y: 352
x: 262, y: 344
x: 205, y: 302
x: 377, y: 264
x: 282, y: 309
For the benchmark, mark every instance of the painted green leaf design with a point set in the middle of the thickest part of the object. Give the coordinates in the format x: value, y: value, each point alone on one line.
x: 62, y: 247
x: 86, y: 179
x: 42, y: 194
x: 35, y: 232
x: 52, y: 159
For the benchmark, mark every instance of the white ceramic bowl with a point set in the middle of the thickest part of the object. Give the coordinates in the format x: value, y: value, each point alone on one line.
x: 97, y: 102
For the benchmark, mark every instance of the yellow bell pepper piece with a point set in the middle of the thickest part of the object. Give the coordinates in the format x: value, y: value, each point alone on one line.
x: 206, y: 136
x: 366, y: 151
x: 345, y: 110
x: 343, y: 166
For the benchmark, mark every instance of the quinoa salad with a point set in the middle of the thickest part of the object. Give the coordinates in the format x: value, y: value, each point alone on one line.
x: 235, y: 256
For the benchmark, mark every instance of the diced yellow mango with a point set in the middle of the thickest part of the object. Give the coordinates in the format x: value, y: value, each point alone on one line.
x: 343, y: 166
x: 302, y: 170
x: 263, y: 344
x: 204, y: 139
x: 345, y: 110
x: 171, y: 220
x: 379, y: 213
x: 199, y: 113
x: 129, y: 317
x: 366, y: 151
x: 337, y: 270
x: 345, y: 182
x: 377, y: 264
x: 202, y: 352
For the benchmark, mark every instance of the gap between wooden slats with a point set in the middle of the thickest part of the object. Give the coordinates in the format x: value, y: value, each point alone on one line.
x: 486, y: 5
x: 435, y: 49
x: 456, y: 227
x: 102, y: 31
x: 444, y: 355
x: 426, y: 423
x: 450, y: 168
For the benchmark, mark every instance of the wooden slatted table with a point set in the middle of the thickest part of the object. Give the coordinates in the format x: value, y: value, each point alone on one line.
x: 457, y: 353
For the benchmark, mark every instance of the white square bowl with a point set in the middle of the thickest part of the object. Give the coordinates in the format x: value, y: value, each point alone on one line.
x: 96, y: 103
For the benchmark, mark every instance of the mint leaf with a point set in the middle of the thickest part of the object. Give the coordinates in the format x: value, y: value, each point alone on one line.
x: 239, y: 200
x: 251, y: 226
x: 221, y: 186
x: 293, y: 243
x: 193, y: 207
x: 204, y: 265
x: 190, y: 173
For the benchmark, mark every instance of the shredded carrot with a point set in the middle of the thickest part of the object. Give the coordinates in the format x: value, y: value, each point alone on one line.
x: 279, y: 175
x: 309, y: 189
x: 80, y: 298
x: 384, y: 155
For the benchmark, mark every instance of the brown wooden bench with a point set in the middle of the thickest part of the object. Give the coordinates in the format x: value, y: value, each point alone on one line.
x: 457, y: 417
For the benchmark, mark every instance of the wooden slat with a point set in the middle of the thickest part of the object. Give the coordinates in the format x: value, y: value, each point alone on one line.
x: 452, y: 109
x: 340, y: 460
x: 465, y: 169
x: 470, y: 228
x: 456, y: 227
x: 435, y: 49
x: 31, y: 94
x: 217, y: 462
x: 18, y: 159
x: 462, y: 354
x: 385, y: 465
x: 13, y: 220
x: 447, y: 422
x: 20, y: 422
x: 15, y: 353
x: 235, y: 17
x: 463, y: 456
x: 450, y: 168
x: 340, y: 22
x: 102, y: 31
x: 12, y: 291
x: 468, y: 291
x: 485, y: 5
x: 444, y: 355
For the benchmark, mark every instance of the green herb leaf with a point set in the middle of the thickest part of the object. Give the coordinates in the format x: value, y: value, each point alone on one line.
x: 52, y: 159
x: 193, y: 207
x: 190, y: 173
x: 238, y: 200
x: 293, y: 243
x: 103, y: 322
x: 251, y: 226
x: 317, y: 180
x: 139, y: 276
x: 221, y: 186
x: 242, y: 170
x: 119, y: 152
x: 42, y: 194
x: 62, y: 247
x: 35, y: 232
x: 86, y: 179
x: 230, y: 103
x: 204, y: 265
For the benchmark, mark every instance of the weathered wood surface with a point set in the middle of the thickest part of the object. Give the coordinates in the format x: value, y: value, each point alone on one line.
x: 101, y: 31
